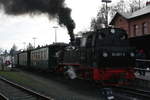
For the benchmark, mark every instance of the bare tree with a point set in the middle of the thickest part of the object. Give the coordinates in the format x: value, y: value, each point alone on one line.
x: 100, y: 21
x: 13, y: 50
x: 136, y: 4
x: 1, y: 50
x: 122, y: 6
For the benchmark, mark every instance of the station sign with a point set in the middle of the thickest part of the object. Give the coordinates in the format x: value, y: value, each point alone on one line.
x: 108, y: 1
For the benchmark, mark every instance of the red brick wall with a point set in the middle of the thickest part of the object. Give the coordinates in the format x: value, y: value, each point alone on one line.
x: 139, y: 21
x: 128, y: 25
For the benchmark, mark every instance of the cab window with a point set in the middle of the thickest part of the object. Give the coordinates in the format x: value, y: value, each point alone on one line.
x: 89, y: 41
x: 83, y: 42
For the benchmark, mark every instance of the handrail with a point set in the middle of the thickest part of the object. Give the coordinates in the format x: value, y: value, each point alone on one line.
x: 144, y: 60
x: 3, y: 97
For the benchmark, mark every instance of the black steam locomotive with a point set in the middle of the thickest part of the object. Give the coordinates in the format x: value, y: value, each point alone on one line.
x: 104, y: 56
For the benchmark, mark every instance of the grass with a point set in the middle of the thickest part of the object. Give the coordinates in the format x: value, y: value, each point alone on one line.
x: 45, y: 86
x: 25, y: 80
x: 17, y: 77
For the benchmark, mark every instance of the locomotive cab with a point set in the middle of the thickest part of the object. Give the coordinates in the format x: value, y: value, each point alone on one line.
x: 108, y: 55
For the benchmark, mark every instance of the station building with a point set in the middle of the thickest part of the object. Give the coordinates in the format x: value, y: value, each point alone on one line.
x: 136, y: 23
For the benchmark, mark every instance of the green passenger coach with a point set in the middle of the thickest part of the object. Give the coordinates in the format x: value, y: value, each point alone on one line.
x: 45, y: 58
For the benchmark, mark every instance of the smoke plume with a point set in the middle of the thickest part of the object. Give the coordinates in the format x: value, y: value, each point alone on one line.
x: 54, y: 8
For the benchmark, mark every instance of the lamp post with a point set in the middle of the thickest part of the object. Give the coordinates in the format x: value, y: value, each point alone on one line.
x: 55, y: 27
x: 139, y: 4
x: 34, y: 38
x: 106, y: 15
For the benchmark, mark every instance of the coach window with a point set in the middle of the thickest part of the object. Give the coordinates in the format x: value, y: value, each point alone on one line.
x: 39, y: 55
x: 42, y: 55
x: 33, y: 55
x: 46, y: 55
x: 36, y: 55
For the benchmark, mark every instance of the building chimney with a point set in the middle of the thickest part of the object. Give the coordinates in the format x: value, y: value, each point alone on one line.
x: 147, y: 3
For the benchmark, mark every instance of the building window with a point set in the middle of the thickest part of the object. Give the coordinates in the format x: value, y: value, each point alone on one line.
x: 136, y: 31
x: 145, y: 28
x: 120, y: 20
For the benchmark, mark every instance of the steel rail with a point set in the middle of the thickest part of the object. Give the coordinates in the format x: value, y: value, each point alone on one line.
x: 134, y: 91
x: 143, y: 60
x: 3, y: 97
x: 29, y: 91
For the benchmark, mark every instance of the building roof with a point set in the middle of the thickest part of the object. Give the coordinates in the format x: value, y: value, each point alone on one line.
x: 141, y: 12
x: 124, y: 15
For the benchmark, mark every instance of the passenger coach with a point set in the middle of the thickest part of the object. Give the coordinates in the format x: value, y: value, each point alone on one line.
x: 43, y: 58
x: 23, y: 60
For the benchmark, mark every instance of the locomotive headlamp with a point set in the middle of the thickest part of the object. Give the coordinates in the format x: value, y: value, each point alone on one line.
x: 132, y: 54
x: 112, y: 31
x: 105, y: 54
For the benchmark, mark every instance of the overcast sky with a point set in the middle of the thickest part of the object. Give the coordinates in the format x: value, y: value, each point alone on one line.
x: 19, y: 29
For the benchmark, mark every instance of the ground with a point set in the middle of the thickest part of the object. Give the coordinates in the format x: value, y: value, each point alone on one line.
x: 54, y: 86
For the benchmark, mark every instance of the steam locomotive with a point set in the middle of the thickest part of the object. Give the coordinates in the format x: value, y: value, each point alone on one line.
x: 103, y: 56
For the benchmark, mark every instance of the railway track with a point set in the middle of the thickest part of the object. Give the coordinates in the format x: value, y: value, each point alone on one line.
x: 134, y: 92
x: 13, y: 91
x: 2, y: 97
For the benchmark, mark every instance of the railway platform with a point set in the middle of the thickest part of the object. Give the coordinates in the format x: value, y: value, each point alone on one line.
x: 146, y: 69
x: 145, y: 77
x: 143, y: 80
